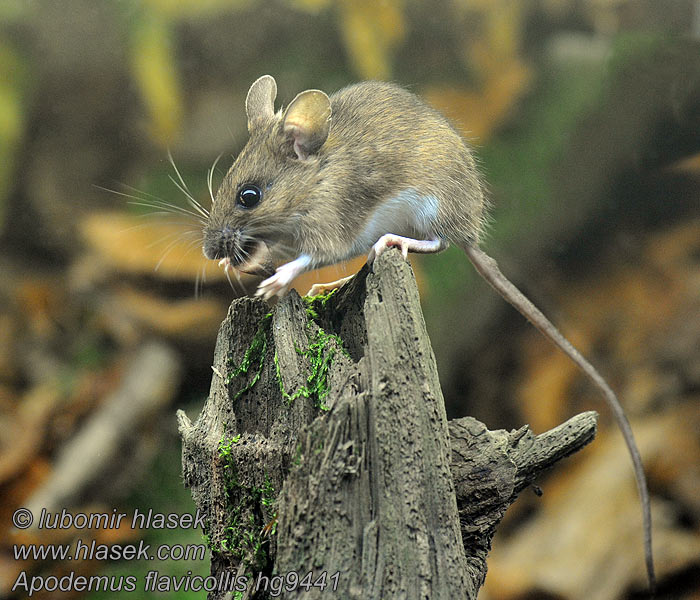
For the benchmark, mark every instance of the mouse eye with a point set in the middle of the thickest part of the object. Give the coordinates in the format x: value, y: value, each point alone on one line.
x: 249, y: 195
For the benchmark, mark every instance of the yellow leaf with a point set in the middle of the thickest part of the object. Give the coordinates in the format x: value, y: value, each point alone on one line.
x: 498, y: 37
x: 154, y: 69
x: 371, y: 30
x: 312, y: 6
x: 12, y: 87
x: 177, y: 9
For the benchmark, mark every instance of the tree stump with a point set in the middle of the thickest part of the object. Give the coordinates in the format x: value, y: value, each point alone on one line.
x: 323, y: 460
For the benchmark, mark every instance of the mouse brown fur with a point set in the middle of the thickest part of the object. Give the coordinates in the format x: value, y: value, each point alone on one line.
x: 382, y: 139
x: 369, y: 167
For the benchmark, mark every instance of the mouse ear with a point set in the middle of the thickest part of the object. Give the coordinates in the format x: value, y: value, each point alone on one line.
x: 307, y: 121
x: 260, y: 101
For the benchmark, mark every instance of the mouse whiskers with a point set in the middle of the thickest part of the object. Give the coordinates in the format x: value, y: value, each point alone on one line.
x: 241, y: 289
x: 239, y: 253
x: 210, y: 178
x: 182, y: 186
x: 200, y: 280
x: 191, y: 245
x: 159, y: 206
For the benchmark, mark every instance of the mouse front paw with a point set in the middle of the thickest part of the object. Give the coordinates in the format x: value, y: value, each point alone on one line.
x: 274, y: 286
x: 277, y: 284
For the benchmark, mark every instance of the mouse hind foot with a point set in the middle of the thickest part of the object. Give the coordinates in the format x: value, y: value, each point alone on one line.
x: 406, y: 245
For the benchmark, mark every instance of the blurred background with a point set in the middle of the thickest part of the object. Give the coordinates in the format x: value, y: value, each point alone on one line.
x: 585, y: 117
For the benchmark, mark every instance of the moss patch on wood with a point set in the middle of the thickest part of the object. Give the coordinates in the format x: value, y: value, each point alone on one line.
x: 320, y: 353
x: 252, y: 517
x: 254, y: 357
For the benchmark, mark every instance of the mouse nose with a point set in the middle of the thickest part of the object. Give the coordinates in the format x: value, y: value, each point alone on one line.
x: 211, y: 251
x: 218, y: 243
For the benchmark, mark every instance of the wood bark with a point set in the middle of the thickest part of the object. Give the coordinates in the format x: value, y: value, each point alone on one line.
x: 370, y: 482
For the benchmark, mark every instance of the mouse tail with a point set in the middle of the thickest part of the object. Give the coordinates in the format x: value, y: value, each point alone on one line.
x: 488, y: 269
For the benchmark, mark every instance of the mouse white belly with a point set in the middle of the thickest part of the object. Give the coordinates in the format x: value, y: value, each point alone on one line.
x: 408, y: 214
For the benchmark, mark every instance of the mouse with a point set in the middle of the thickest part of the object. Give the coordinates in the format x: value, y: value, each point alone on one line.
x: 368, y: 168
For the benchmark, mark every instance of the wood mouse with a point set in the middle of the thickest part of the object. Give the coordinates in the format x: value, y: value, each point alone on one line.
x: 368, y: 168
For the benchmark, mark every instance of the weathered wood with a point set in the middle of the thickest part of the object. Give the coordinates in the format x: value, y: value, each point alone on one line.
x: 490, y: 468
x: 367, y: 482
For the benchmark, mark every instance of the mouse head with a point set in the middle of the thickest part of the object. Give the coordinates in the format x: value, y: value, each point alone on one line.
x: 266, y: 193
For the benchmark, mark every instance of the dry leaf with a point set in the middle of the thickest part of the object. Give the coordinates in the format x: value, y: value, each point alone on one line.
x: 303, y: 283
x: 136, y: 246
x: 492, y: 50
x: 22, y: 433
x: 689, y: 164
x: 478, y: 113
x: 14, y: 493
x: 586, y: 540
x: 630, y: 309
x: 498, y: 43
x: 41, y: 302
x: 190, y: 319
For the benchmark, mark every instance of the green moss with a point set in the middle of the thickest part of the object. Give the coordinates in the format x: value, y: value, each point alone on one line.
x: 316, y: 303
x: 267, y: 492
x: 320, y: 353
x: 254, y: 357
x: 226, y: 445
x: 251, y: 516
